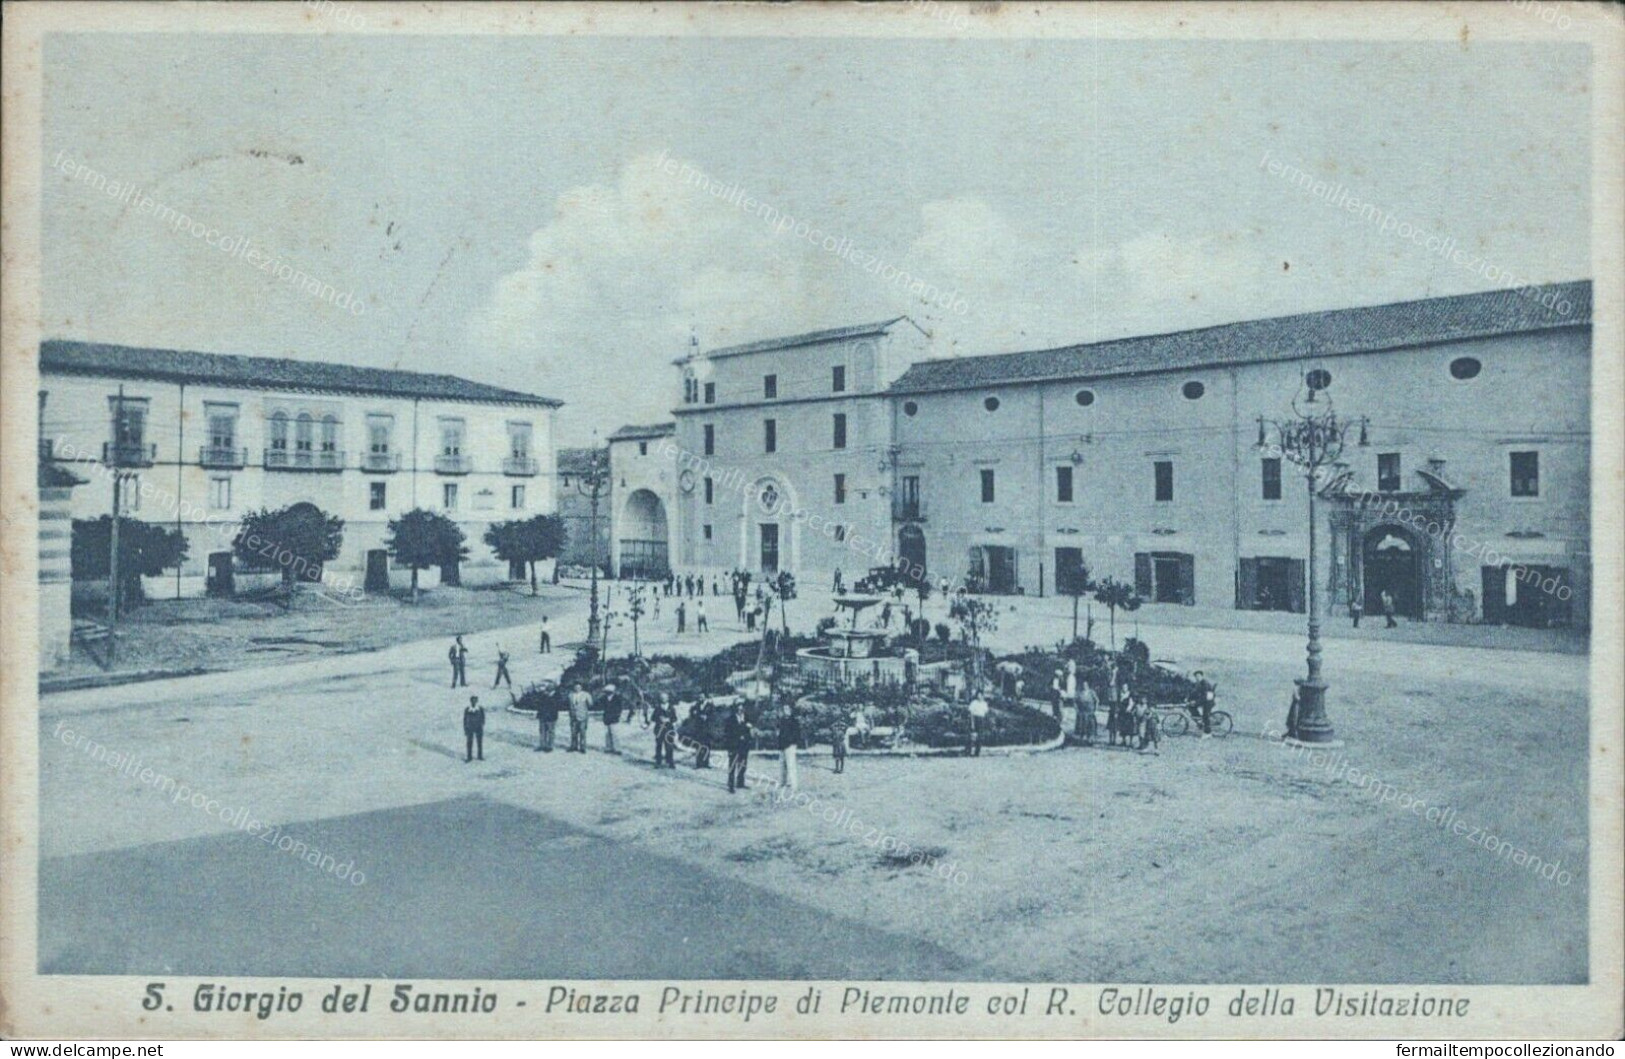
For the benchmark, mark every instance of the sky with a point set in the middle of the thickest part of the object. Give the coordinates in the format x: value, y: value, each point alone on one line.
x: 561, y: 215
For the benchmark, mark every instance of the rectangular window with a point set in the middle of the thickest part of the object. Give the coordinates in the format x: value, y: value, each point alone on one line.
x: 220, y: 493
x: 710, y: 440
x: 840, y: 430
x: 222, y: 426
x: 379, y: 430
x: 710, y: 393
x: 643, y: 448
x: 1387, y: 472
x: 516, y: 499
x: 448, y: 496
x: 129, y: 494
x: 838, y: 378
x: 706, y: 529
x: 1525, y: 473
x: 1063, y: 484
x: 770, y: 386
x: 376, y: 496
x: 451, y: 437
x: 987, y: 485
x: 519, y: 435
x: 840, y: 488
x: 1164, y: 471
x: 129, y: 421
x: 840, y: 533
x: 1272, y: 477
x: 710, y: 487
x: 770, y: 435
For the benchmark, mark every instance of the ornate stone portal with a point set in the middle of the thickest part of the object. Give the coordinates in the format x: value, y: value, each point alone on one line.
x: 1399, y: 542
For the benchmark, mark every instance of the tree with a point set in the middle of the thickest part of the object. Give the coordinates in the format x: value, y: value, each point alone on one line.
x: 420, y: 539
x: 1115, y: 595
x: 298, y: 540
x: 785, y: 586
x: 634, y: 611
x: 975, y: 616
x: 144, y: 550
x: 1075, y: 582
x: 527, y: 541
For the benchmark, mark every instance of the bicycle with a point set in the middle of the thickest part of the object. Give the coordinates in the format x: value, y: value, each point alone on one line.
x: 1176, y: 718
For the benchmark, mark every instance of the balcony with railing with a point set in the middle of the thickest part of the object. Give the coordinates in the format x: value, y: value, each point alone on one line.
x: 221, y: 456
x: 128, y: 454
x: 381, y: 462
x: 908, y: 509
x: 453, y: 463
x: 520, y: 466
x: 303, y: 460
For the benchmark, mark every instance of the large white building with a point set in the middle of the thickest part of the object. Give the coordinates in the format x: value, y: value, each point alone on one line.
x: 201, y: 439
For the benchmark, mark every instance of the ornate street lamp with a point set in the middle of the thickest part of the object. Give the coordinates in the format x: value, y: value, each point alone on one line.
x: 594, y: 483
x: 1313, y: 439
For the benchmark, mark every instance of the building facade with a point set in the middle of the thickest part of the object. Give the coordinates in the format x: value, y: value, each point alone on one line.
x: 586, y: 536
x: 1465, y: 493
x: 645, y: 493
x: 197, y: 440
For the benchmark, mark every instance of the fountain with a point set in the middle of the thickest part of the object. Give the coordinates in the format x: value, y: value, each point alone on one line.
x: 849, y: 655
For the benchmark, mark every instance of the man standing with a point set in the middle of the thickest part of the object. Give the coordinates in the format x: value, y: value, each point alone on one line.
x: 789, y: 746
x: 702, y: 726
x: 547, y: 720
x: 1388, y: 609
x: 502, y: 668
x: 547, y: 638
x: 699, y: 616
x: 682, y: 618
x: 978, y: 716
x: 738, y: 735
x: 1204, y: 702
x: 1356, y: 606
x: 580, y: 701
x: 458, y: 656
x: 1083, y: 725
x: 665, y: 722
x: 612, y: 717
x: 474, y: 728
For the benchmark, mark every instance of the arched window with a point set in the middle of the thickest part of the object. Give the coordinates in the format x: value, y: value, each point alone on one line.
x: 330, y: 433
x: 279, y: 432
x: 303, y: 432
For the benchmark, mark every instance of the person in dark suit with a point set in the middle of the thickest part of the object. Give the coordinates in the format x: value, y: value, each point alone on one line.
x: 664, y: 719
x: 547, y: 720
x: 702, y: 728
x: 612, y: 717
x: 502, y: 669
x: 474, y: 728
x: 739, y: 736
x: 1388, y: 609
x: 458, y: 656
x: 1206, y: 692
x: 547, y: 638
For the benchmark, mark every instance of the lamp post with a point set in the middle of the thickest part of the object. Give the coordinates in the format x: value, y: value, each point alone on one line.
x: 1313, y: 439
x: 593, y: 482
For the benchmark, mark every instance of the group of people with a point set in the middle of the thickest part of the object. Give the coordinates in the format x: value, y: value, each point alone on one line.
x: 1385, y: 599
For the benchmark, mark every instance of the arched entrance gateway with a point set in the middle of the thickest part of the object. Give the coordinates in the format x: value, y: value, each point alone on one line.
x: 1396, y: 542
x: 1391, y: 563
x: 642, y: 544
x: 911, y: 551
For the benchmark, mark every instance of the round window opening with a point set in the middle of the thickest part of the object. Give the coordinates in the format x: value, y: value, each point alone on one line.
x: 1085, y: 398
x: 1319, y: 379
x: 1465, y: 368
x: 910, y: 408
x: 991, y: 404
x: 1193, y: 390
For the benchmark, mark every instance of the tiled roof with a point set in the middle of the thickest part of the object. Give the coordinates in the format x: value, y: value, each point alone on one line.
x: 1323, y: 334
x: 576, y: 461
x: 268, y: 373
x: 632, y: 433
x: 810, y: 338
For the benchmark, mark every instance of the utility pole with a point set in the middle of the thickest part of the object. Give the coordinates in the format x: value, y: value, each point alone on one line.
x: 118, y: 474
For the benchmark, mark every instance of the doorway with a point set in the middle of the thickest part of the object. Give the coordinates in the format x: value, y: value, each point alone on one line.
x: 220, y: 582
x: 377, y: 570
x: 911, y: 550
x: 770, y: 547
x: 1392, y: 564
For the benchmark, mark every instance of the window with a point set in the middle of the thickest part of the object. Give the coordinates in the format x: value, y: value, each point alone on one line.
x: 519, y: 436
x: 304, y: 433
x: 643, y: 448
x: 1164, y: 474
x: 710, y: 440
x: 448, y: 496
x: 689, y: 388
x: 710, y: 393
x: 451, y: 437
x: 129, y: 495
x: 129, y: 421
x: 770, y: 435
x: 377, y: 496
x: 379, y: 430
x: 516, y: 497
x: 706, y: 529
x: 1525, y: 473
x: 1387, y: 472
x: 837, y: 382
x: 222, y: 426
x: 709, y: 489
x: 220, y: 493
x: 840, y: 533
x: 991, y: 404
x: 770, y: 386
x: 1193, y: 391
x: 1063, y: 484
x: 840, y: 488
x: 910, y: 409
x: 840, y: 430
x: 1272, y: 477
x: 1084, y: 398
x: 987, y: 485
x: 279, y: 432
x: 910, y: 500
x: 330, y: 433
x: 1464, y: 368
